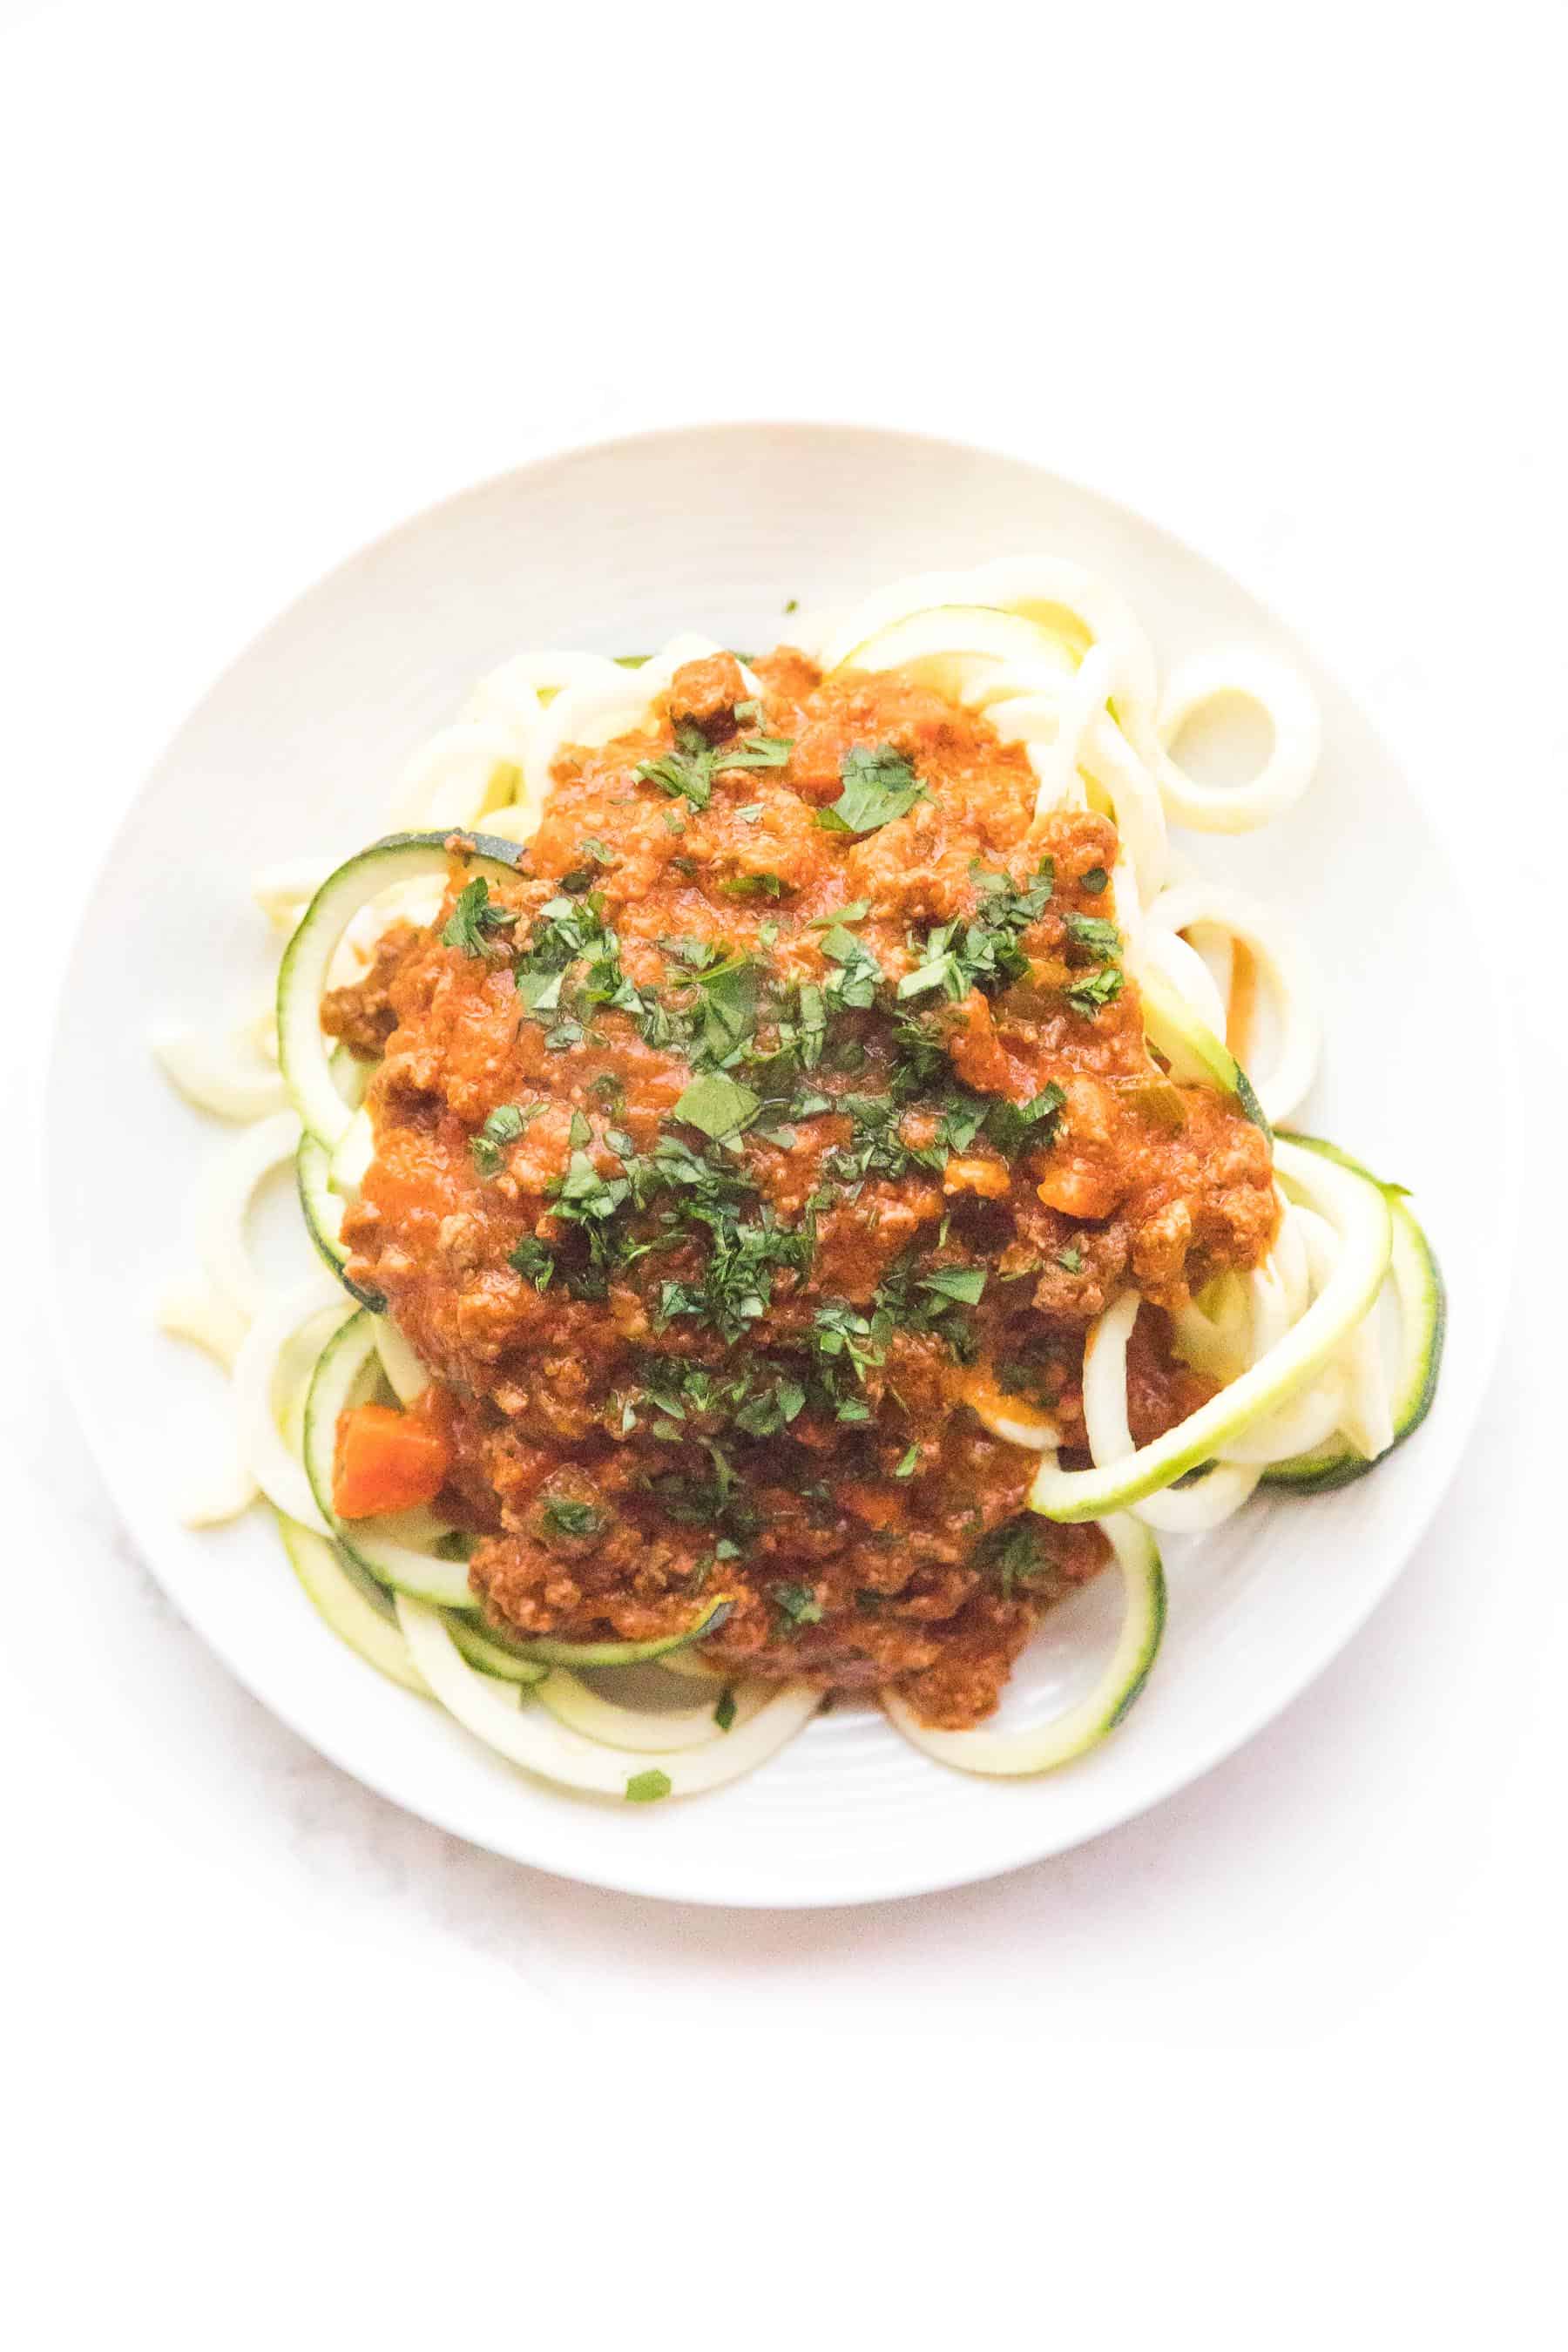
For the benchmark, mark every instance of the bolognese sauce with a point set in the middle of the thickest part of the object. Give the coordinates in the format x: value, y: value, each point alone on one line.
x: 740, y: 1166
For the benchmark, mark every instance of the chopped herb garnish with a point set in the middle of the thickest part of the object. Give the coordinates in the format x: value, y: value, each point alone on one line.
x: 503, y: 1126
x: 540, y: 991
x: 856, y: 912
x: 686, y: 772
x: 646, y: 1788
x: 965, y: 1283
x: 797, y: 1604
x: 793, y: 605
x: 533, y: 1262
x: 474, y: 922
x: 760, y: 752
x: 1095, y: 933
x: 908, y: 1464
x: 755, y: 885
x: 1096, y: 988
x: 985, y: 953
x: 720, y: 1105
x: 1014, y: 1127
x: 724, y: 1711
x: 1094, y: 881
x: 565, y: 1518
x: 877, y: 786
x: 1072, y: 1258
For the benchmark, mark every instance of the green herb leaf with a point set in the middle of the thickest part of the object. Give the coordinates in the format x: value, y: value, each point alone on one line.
x: 797, y: 1604
x: 758, y: 751
x: 1013, y: 1127
x: 720, y: 1105
x: 1095, y: 933
x: 854, y: 912
x: 540, y: 991
x: 565, y: 1518
x: 908, y: 1464
x: 533, y: 1262
x: 503, y: 1126
x: 686, y: 772
x: 1095, y: 989
x: 755, y: 885
x: 724, y: 1711
x: 965, y: 1283
x: 473, y: 921
x: 878, y: 786
x: 646, y: 1788
x: 1094, y: 881
x: 1072, y: 1258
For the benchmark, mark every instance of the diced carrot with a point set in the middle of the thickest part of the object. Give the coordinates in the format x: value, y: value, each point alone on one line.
x: 386, y: 1461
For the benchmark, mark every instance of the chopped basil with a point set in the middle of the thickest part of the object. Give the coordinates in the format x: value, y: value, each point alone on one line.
x: 755, y: 885
x: 1072, y: 1258
x: 473, y: 921
x: 1094, y: 881
x: 909, y: 1463
x: 877, y: 786
x: 854, y: 912
x: 646, y: 1788
x: 793, y: 605
x: 724, y: 1711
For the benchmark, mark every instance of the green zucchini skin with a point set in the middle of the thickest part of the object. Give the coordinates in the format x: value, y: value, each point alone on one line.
x: 546, y: 1652
x: 310, y: 1168
x: 398, y: 857
x: 1195, y: 1055
x: 1323, y: 1472
x: 346, y: 1363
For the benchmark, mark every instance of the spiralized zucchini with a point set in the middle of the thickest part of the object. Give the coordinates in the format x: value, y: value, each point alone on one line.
x: 1311, y: 1388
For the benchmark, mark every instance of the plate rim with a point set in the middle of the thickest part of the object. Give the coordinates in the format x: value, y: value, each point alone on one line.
x: 1304, y: 1668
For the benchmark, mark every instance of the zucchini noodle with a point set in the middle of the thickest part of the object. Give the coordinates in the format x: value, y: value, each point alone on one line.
x: 1320, y: 1360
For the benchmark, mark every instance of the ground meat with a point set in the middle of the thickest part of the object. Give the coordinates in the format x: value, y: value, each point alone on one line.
x: 361, y: 1014
x: 703, y: 694
x: 685, y: 1365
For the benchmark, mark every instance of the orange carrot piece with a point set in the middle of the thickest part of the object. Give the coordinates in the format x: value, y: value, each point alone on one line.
x: 386, y: 1461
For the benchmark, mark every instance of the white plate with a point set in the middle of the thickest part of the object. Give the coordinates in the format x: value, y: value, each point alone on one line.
x: 295, y: 748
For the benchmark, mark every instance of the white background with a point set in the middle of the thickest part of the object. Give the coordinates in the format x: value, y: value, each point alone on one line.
x: 1276, y: 2064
